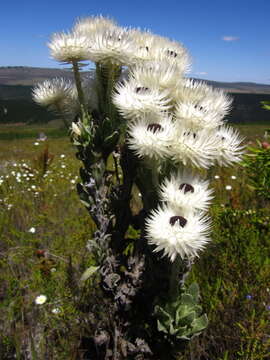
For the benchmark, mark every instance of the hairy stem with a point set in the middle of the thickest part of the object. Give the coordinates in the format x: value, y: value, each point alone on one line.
x: 78, y: 83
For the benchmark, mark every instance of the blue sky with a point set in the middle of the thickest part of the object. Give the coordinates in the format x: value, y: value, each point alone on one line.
x: 228, y: 40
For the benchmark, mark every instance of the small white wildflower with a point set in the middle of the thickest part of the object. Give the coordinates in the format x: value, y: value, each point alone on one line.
x: 62, y: 156
x: 36, y: 143
x: 53, y: 270
x: 216, y: 177
x: 41, y: 299
x: 233, y: 177
x: 32, y: 230
x: 63, y: 166
x: 56, y: 311
x: 228, y: 187
x: 76, y: 129
x: 73, y: 181
x: 33, y: 187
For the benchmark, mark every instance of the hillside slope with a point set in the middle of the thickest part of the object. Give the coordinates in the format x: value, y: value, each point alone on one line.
x: 23, y: 75
x: 16, y: 104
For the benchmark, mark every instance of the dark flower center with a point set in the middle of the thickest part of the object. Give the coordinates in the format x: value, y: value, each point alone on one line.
x: 141, y: 89
x: 199, y: 107
x: 154, y: 127
x: 186, y: 187
x: 188, y: 133
x: 172, y: 53
x: 180, y: 219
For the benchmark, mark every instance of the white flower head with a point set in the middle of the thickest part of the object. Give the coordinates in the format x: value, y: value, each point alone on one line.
x: 135, y: 99
x: 114, y: 46
x: 196, y: 117
x: 187, y: 192
x: 32, y: 230
x: 202, y: 97
x: 93, y: 24
x: 41, y: 299
x: 154, y: 47
x: 194, y: 148
x: 177, y: 233
x: 229, y: 147
x: 228, y: 187
x: 70, y: 47
x: 156, y: 73
x: 53, y: 92
x: 151, y: 136
x: 173, y: 52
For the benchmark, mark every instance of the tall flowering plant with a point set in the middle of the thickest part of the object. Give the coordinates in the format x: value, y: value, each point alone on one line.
x: 142, y: 131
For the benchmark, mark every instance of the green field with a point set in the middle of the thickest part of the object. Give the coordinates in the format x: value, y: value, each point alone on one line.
x: 44, y: 230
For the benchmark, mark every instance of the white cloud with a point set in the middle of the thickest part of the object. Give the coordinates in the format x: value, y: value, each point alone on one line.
x: 230, y: 38
x: 201, y: 73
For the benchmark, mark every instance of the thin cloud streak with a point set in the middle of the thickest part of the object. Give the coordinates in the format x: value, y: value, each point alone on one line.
x: 230, y: 38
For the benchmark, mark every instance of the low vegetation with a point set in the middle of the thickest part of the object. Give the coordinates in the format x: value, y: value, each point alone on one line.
x: 45, y: 293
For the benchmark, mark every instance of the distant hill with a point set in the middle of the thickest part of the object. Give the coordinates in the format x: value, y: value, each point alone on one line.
x: 16, y: 104
x: 29, y: 76
x: 24, y: 75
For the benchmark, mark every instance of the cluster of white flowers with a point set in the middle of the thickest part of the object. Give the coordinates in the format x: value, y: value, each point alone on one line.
x: 180, y: 225
x: 169, y: 118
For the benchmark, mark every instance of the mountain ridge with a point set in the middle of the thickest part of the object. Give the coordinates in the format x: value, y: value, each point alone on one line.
x: 29, y: 76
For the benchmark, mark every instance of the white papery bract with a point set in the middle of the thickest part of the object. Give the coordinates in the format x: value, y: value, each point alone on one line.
x: 187, y: 192
x: 93, y: 24
x: 157, y: 74
x: 153, y: 47
x: 55, y: 92
x: 195, y: 117
x: 173, y: 52
x: 229, y: 147
x: 201, y: 96
x: 197, y: 149
x: 177, y: 233
x: 114, y: 46
x: 135, y: 99
x: 151, y: 136
x: 70, y: 47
